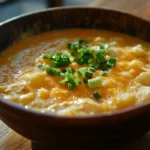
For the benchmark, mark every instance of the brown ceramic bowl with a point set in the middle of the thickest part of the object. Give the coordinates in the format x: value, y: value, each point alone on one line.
x: 104, y: 130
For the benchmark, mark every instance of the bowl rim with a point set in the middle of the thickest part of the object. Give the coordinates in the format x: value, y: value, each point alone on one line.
x: 12, y: 105
x: 69, y: 8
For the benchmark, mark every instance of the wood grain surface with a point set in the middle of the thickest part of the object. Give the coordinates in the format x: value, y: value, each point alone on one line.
x: 138, y: 7
x: 9, y: 140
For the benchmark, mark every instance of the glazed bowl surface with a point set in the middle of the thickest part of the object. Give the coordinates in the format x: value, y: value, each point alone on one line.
x: 103, y: 130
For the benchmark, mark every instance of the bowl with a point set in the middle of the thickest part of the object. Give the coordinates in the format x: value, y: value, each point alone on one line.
x: 47, y: 131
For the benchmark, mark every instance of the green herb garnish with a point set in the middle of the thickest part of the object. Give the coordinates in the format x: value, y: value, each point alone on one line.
x: 71, y: 80
x: 104, y: 48
x: 104, y: 73
x: 60, y: 60
x: 85, y: 81
x: 88, y: 74
x: 83, y: 55
x: 96, y: 95
x: 53, y: 71
x: 92, y: 69
x: 100, y: 57
x: 81, y: 72
x: 69, y: 45
x: 81, y: 40
x: 47, y: 56
x: 41, y: 66
x: 95, y: 82
x: 111, y: 62
x: 70, y: 70
x: 74, y: 46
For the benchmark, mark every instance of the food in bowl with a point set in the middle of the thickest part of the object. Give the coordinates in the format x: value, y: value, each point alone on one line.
x: 76, y: 72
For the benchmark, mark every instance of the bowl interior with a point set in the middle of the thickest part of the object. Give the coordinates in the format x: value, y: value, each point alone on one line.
x: 73, y: 17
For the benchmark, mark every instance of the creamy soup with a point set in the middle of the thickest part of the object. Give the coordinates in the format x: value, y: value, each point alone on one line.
x: 76, y: 72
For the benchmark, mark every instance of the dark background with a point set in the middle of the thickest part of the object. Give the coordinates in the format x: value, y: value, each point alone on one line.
x: 12, y: 8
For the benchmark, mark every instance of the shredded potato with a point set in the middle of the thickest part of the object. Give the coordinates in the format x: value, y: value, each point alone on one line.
x: 124, y: 85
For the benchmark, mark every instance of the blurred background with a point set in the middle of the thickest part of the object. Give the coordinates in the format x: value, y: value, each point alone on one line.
x: 11, y: 8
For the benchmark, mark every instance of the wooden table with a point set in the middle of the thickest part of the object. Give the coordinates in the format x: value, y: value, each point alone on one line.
x: 138, y: 7
x: 9, y: 140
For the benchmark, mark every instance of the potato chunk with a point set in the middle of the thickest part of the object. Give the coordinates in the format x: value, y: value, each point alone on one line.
x: 143, y: 94
x: 125, y: 100
x: 144, y: 78
x: 36, y: 79
x: 138, y: 51
x: 43, y: 93
x: 26, y: 98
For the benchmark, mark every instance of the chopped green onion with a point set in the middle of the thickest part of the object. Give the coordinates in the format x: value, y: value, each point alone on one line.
x: 73, y: 53
x: 96, y: 95
x: 79, y: 60
x: 95, y: 82
x: 92, y: 69
x: 69, y: 45
x: 103, y: 66
x: 88, y: 74
x: 74, y: 46
x: 94, y: 65
x: 53, y: 71
x: 83, y: 55
x: 81, y: 72
x: 104, y: 47
x: 104, y: 73
x: 81, y: 40
x: 41, y: 66
x: 63, y: 71
x: 100, y: 57
x: 71, y: 80
x: 47, y: 56
x: 84, y: 73
x: 77, y: 81
x: 71, y: 86
x: 85, y: 81
x: 65, y: 80
x: 60, y: 60
x: 70, y: 70
x: 86, y: 55
x: 111, y: 62
x: 90, y: 61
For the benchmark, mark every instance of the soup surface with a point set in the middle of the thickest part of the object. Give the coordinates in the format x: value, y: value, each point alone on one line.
x: 76, y: 72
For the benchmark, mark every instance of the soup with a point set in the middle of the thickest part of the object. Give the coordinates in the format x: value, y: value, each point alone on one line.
x: 76, y: 72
